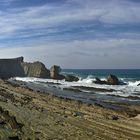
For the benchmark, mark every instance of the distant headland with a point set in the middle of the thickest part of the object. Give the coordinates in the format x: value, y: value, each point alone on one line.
x: 16, y: 67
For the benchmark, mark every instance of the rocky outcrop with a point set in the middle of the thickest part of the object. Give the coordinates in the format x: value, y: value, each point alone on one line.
x: 17, y: 67
x: 55, y: 73
x: 99, y: 81
x: 11, y: 68
x: 71, y: 78
x: 111, y: 80
x: 36, y: 69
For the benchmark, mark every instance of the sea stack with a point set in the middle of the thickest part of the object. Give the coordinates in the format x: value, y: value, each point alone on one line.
x: 112, y: 80
x: 54, y: 73
x: 35, y: 69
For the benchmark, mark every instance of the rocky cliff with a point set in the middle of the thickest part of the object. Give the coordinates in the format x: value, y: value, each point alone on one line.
x: 11, y: 68
x: 36, y: 69
x: 17, y: 67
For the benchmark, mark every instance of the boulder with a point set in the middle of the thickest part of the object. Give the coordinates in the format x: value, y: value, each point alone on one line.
x: 99, y: 81
x: 71, y: 78
x: 112, y: 80
x: 138, y: 84
x: 54, y: 73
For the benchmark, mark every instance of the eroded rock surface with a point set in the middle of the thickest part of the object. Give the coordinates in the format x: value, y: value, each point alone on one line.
x: 16, y: 67
x: 36, y: 69
x: 11, y: 68
x: 30, y: 115
x: 54, y: 73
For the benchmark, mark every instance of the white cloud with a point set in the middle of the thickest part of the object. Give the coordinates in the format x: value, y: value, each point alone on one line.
x: 109, y: 12
x: 73, y: 54
x: 81, y: 54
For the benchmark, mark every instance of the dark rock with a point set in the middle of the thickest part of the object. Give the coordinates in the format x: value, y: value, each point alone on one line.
x: 72, y: 89
x: 112, y: 80
x: 11, y: 68
x: 98, y: 104
x: 14, y: 138
x: 54, y: 73
x: 138, y: 84
x: 93, y: 89
x: 71, y: 78
x: 114, y: 117
x: 98, y: 81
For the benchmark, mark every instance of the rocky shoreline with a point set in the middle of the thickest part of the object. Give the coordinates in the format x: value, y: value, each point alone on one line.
x: 26, y: 114
x: 16, y: 67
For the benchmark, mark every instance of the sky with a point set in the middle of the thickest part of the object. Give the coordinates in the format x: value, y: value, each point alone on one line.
x: 89, y: 34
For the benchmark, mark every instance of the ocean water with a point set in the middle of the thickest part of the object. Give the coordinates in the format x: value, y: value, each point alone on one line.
x: 127, y: 74
x: 85, y: 89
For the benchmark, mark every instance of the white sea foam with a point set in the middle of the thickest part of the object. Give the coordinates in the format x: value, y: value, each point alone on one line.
x: 130, y: 89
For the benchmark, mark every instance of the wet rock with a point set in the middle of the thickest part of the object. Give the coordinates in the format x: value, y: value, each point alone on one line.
x: 71, y: 78
x: 93, y: 89
x: 112, y: 80
x: 98, y: 104
x: 99, y: 81
x: 138, y: 84
x: 72, y: 89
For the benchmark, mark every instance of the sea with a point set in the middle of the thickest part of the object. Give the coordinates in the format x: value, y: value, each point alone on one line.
x: 85, y: 89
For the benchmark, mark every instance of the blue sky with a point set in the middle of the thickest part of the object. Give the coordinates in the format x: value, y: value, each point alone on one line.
x: 72, y: 33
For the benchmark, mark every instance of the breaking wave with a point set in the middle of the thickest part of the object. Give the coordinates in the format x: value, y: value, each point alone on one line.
x: 87, y: 85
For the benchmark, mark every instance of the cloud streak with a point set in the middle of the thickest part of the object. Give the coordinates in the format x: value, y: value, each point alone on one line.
x: 93, y: 28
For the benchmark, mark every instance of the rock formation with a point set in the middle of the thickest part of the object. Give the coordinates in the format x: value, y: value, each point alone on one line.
x: 54, y: 73
x: 111, y: 80
x: 17, y: 67
x: 36, y: 69
x: 99, y: 81
x: 71, y: 78
x: 11, y: 68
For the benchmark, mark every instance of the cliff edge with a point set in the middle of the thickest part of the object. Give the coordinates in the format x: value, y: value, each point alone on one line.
x: 17, y: 67
x: 11, y: 68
